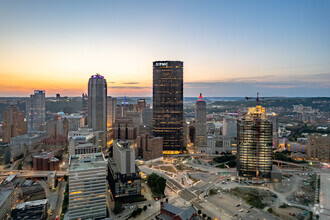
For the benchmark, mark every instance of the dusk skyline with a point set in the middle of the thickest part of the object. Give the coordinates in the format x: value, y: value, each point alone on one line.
x: 229, y: 48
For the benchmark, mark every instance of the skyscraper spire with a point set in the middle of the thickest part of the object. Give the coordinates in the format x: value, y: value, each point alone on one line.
x: 200, y: 98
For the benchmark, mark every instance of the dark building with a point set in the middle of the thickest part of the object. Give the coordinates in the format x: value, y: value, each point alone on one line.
x: 168, y: 105
x: 4, y: 153
x: 192, y: 132
x: 58, y: 96
x: 255, y: 140
x: 85, y: 103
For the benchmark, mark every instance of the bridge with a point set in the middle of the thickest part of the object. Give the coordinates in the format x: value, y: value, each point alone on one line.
x: 32, y: 173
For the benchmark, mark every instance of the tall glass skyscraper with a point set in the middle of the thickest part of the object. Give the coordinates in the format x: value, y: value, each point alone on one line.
x: 35, y: 111
x: 97, y: 104
x: 168, y: 105
x: 200, y: 123
x: 254, y: 153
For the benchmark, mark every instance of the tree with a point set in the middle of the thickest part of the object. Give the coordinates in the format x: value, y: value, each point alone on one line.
x: 118, y: 208
x: 156, y: 183
x: 199, y: 212
x: 204, y: 215
x: 145, y: 208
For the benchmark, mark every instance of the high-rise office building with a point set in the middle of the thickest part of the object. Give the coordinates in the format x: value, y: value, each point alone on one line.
x: 254, y: 154
x: 141, y: 104
x: 35, y: 111
x: 168, y: 105
x: 14, y: 123
x: 229, y: 128
x: 200, y: 123
x: 111, y: 111
x: 123, y: 174
x: 85, y: 103
x: 97, y: 104
x: 87, y: 188
x: 149, y: 147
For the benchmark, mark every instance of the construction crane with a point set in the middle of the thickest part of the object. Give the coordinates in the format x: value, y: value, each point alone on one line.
x: 257, y: 127
x: 258, y: 98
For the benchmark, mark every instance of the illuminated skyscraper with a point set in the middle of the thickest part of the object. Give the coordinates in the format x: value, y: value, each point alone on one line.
x: 35, y: 111
x: 168, y: 105
x: 97, y: 104
x: 111, y: 111
x: 254, y: 155
x: 200, y: 120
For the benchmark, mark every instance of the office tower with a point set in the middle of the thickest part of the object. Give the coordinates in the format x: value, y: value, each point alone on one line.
x: 58, y: 96
x: 192, y: 132
x: 35, y: 111
x: 318, y: 147
x: 254, y: 154
x: 273, y: 118
x: 200, y: 123
x: 168, y: 105
x: 124, y: 129
x: 87, y: 188
x: 97, y: 104
x: 141, y: 104
x: 14, y: 123
x: 85, y: 103
x: 123, y: 174
x: 229, y: 127
x: 111, y: 111
x: 149, y: 147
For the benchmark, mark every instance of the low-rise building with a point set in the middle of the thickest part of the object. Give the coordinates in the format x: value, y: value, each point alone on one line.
x: 46, y: 161
x: 171, y: 212
x: 6, y: 199
x: 31, y: 210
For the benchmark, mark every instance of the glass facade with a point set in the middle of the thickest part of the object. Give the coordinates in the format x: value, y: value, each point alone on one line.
x: 168, y: 105
x: 254, y: 155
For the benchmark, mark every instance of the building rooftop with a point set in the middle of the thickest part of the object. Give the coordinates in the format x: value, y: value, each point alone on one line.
x: 184, y: 214
x: 4, y: 193
x: 32, y: 203
x: 123, y: 145
x: 86, y: 161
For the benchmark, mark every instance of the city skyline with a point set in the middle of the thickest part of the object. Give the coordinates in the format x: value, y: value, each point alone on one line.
x: 229, y: 48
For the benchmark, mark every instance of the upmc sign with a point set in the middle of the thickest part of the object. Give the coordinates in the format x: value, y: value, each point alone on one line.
x: 162, y: 64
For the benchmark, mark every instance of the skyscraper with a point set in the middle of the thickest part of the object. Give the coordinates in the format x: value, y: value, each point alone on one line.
x: 97, y: 104
x: 200, y: 119
x: 254, y: 154
x: 87, y: 188
x: 85, y: 103
x: 35, y: 111
x: 14, y: 123
x: 168, y: 105
x: 111, y: 111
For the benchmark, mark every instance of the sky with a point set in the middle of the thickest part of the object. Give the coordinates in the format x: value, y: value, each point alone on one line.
x: 229, y: 48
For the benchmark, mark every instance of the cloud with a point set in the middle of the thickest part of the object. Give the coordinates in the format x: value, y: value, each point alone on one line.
x: 131, y: 83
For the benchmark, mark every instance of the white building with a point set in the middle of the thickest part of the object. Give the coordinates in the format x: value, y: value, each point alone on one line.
x: 124, y: 156
x: 83, y: 141
x: 87, y: 188
x: 229, y: 128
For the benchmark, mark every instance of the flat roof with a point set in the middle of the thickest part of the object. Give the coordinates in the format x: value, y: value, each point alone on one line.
x: 32, y: 203
x: 4, y: 193
x: 86, y: 161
